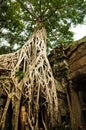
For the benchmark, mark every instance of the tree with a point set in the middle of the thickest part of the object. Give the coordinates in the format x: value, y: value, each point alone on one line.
x: 19, y: 18
x: 30, y: 85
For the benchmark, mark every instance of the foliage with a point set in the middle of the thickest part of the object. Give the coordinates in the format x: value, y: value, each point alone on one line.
x: 20, y: 74
x: 18, y: 18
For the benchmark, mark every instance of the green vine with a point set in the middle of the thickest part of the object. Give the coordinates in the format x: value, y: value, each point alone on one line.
x: 20, y: 74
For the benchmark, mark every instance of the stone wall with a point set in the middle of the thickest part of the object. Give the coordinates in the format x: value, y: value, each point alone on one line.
x: 69, y: 68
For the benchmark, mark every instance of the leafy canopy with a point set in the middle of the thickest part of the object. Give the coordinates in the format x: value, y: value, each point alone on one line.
x: 18, y: 18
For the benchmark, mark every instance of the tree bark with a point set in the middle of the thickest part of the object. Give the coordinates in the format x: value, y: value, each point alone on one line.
x: 32, y: 77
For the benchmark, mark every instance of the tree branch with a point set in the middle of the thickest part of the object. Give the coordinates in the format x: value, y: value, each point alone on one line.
x: 44, y: 11
x: 26, y: 9
x: 33, y: 11
x: 40, y: 6
x: 53, y: 11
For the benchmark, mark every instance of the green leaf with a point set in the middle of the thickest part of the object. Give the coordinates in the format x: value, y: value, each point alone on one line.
x: 20, y: 17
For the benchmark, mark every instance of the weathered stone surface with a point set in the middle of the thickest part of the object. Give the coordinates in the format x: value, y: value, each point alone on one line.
x: 69, y: 68
x: 69, y: 50
x: 77, y: 58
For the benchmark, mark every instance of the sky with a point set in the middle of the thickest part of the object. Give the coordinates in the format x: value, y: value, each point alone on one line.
x: 79, y: 31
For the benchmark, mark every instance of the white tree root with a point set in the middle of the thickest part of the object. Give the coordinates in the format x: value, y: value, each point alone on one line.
x: 32, y: 69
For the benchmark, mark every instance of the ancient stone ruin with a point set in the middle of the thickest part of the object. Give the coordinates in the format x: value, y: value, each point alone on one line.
x: 69, y: 68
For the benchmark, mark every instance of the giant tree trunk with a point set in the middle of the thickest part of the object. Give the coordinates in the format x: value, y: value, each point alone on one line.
x: 33, y: 84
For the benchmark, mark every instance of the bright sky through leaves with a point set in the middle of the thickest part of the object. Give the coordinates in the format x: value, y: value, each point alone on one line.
x: 79, y: 31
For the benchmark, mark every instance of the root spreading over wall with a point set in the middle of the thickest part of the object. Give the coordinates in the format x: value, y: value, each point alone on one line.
x: 33, y: 85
